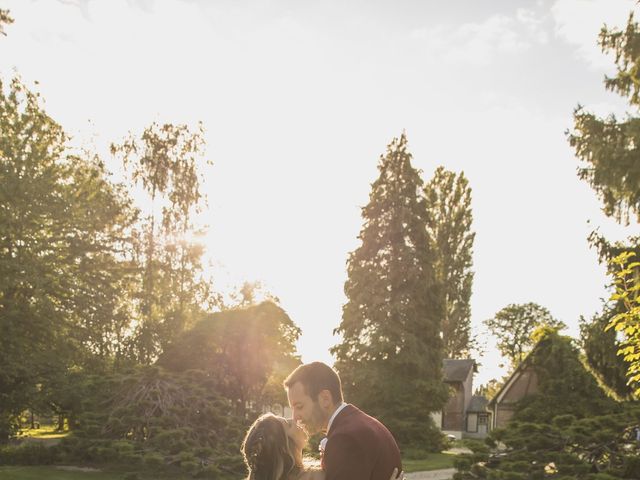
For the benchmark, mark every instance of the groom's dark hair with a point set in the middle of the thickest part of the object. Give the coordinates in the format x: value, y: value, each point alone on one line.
x: 315, y: 377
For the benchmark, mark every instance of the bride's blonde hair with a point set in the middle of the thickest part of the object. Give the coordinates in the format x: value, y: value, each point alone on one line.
x: 268, y: 450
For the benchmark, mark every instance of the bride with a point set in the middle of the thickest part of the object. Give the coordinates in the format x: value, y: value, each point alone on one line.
x: 272, y: 450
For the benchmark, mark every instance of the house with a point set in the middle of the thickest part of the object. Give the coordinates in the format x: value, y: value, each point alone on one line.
x: 522, y: 382
x: 465, y: 414
x: 478, y: 417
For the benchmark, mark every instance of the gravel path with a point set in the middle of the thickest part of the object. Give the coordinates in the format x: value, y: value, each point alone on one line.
x: 445, y: 474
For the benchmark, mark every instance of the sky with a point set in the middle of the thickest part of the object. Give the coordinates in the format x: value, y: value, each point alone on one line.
x: 300, y: 98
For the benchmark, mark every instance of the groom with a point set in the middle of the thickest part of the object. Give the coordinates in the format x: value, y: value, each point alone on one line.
x: 357, y: 446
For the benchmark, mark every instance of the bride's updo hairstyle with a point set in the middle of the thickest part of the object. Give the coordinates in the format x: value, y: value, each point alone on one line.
x: 267, y: 450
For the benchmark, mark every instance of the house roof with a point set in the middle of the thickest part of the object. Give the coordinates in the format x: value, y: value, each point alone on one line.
x: 516, y: 373
x: 478, y: 404
x: 457, y: 370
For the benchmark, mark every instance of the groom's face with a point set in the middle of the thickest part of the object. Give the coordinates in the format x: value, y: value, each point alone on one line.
x: 306, y: 411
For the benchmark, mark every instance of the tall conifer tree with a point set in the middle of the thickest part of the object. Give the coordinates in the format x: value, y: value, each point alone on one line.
x: 391, y: 353
x: 448, y: 199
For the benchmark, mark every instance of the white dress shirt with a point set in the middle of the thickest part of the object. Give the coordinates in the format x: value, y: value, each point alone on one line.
x: 323, y: 442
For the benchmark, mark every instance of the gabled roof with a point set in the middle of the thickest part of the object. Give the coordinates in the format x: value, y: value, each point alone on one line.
x: 478, y: 404
x: 513, y: 377
x: 457, y: 370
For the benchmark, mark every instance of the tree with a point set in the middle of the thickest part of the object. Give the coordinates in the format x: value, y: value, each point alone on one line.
x: 390, y: 356
x: 600, y: 447
x: 565, y: 386
x: 609, y: 149
x: 609, y: 152
x: 62, y: 230
x: 627, y: 321
x: 244, y: 350
x: 490, y: 389
x: 568, y: 429
x: 164, y: 160
x: 513, y: 325
x: 600, y: 347
x: 5, y: 19
x: 448, y: 201
x: 154, y: 420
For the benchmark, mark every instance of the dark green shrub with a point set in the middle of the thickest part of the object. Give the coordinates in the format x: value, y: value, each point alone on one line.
x: 190, y: 466
x: 153, y: 460
x: 568, y: 430
x: 28, y: 454
x: 210, y: 472
x: 631, y: 467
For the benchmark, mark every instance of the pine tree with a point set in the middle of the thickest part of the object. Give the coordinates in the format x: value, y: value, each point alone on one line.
x: 609, y: 156
x: 448, y: 201
x: 568, y: 429
x: 391, y: 353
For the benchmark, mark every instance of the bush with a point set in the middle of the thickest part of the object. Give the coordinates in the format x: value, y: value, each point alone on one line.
x: 28, y: 454
x: 149, y: 418
x: 209, y: 472
x: 153, y: 460
x: 568, y: 430
x: 190, y: 466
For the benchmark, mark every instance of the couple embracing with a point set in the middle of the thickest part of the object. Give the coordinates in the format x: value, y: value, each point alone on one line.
x: 356, y: 446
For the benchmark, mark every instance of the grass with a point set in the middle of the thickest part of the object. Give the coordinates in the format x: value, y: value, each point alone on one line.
x: 44, y: 433
x: 433, y: 461
x: 52, y: 473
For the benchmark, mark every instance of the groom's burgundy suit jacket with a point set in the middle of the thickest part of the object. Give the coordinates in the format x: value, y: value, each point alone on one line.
x: 359, y: 447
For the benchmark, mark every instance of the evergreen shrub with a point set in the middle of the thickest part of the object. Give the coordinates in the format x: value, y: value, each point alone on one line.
x: 157, y: 422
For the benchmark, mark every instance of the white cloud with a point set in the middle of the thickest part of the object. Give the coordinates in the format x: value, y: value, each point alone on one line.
x: 533, y: 24
x: 578, y: 22
x: 479, y: 43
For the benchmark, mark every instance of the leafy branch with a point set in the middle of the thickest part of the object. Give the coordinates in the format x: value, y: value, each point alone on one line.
x: 627, y: 283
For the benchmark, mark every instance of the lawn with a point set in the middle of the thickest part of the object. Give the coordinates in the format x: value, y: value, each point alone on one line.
x: 52, y: 473
x: 434, y: 461
x: 46, y: 432
x: 47, y: 436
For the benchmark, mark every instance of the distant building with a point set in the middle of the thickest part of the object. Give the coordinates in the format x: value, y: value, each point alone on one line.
x: 465, y: 414
x: 522, y: 382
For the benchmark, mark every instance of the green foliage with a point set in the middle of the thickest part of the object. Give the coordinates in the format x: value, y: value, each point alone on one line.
x: 28, y: 454
x: 609, y: 148
x: 164, y: 161
x: 63, y: 227
x: 513, y: 326
x: 600, y: 446
x: 5, y: 19
x: 568, y: 429
x: 565, y: 387
x: 390, y: 356
x: 154, y: 420
x: 448, y: 203
x: 600, y: 348
x: 627, y: 322
x: 610, y: 162
x: 55, y: 473
x: 247, y: 352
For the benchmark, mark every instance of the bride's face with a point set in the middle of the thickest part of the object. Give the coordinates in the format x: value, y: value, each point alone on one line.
x: 294, y: 432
